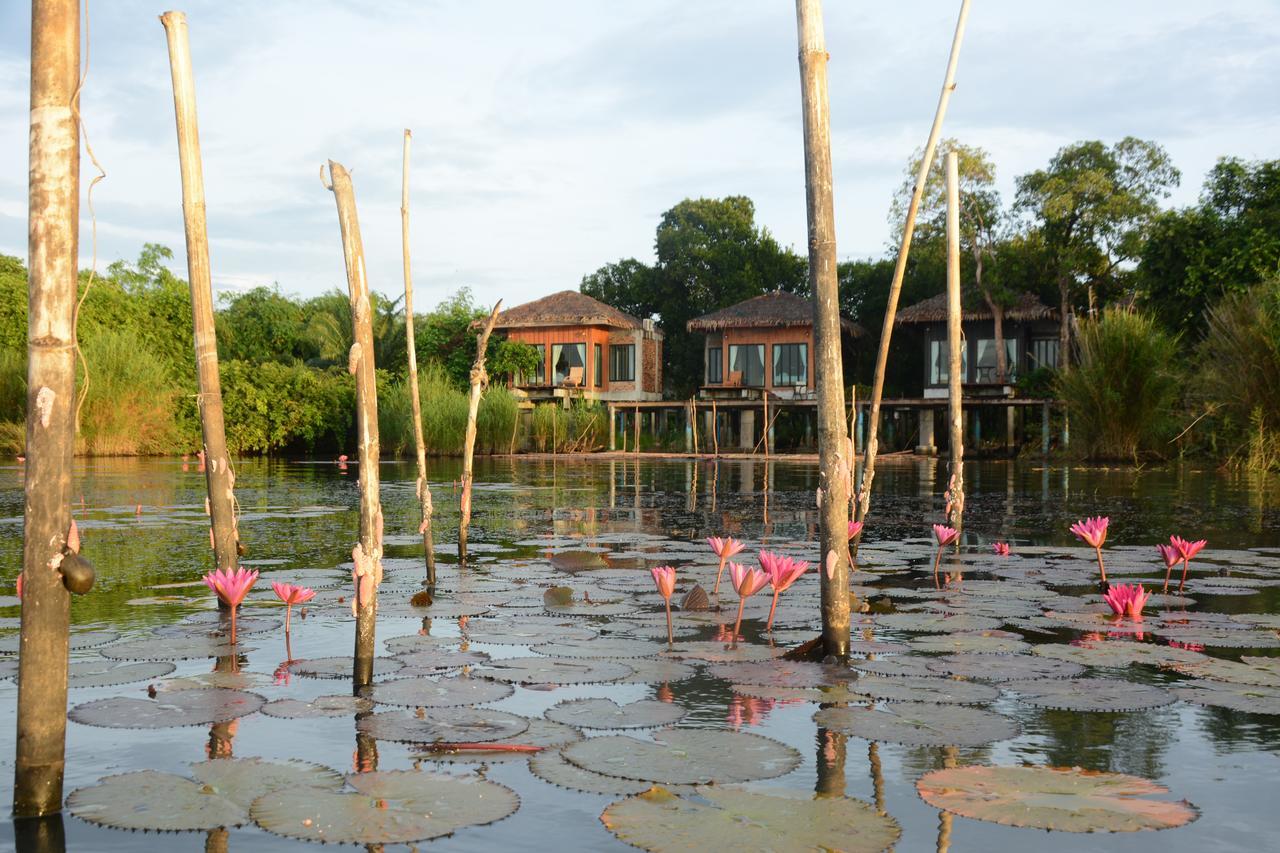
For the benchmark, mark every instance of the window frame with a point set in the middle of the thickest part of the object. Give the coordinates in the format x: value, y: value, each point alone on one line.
x: 630, y: 362
x: 801, y: 359
x: 764, y: 364
x: 540, y: 374
x: 597, y: 377
x: 575, y: 345
x: 715, y: 376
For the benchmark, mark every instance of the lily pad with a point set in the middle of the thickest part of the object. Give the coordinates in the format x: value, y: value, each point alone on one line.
x: 415, y: 643
x: 658, y: 670
x: 321, y: 706
x: 1118, y: 653
x: 901, y: 666
x: 243, y: 780
x: 920, y: 724
x: 1237, y: 697
x: 578, y: 561
x: 780, y: 673
x: 340, y: 667
x: 442, y: 659
x: 1258, y: 671
x: 151, y: 800
x: 1089, y: 694
x: 450, y: 725
x: 973, y: 642
x: 593, y: 608
x: 1063, y: 799
x: 390, y: 807
x: 685, y: 757
x: 168, y: 709
x: 600, y: 647
x: 936, y: 623
x: 79, y: 640
x: 945, y: 691
x: 550, y: 766
x: 607, y: 714
x: 715, y: 651
x: 719, y: 817
x: 1224, y: 638
x: 437, y: 692
x: 173, y: 648
x: 543, y: 670
x: 108, y: 673
x: 821, y: 695
x: 523, y: 632
x: 544, y: 733
x: 983, y: 667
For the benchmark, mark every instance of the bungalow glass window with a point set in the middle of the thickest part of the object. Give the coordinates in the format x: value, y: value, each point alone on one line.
x: 790, y: 364
x: 540, y: 372
x: 747, y: 360
x: 939, y: 359
x: 1044, y: 353
x: 565, y: 358
x: 715, y: 365
x: 598, y: 368
x: 622, y: 362
x: 986, y: 367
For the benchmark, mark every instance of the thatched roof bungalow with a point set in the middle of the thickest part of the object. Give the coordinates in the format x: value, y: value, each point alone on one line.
x: 1030, y: 333
x: 761, y: 345
x: 587, y: 347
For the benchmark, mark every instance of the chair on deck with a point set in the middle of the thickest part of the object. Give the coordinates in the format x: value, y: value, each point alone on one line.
x: 574, y: 379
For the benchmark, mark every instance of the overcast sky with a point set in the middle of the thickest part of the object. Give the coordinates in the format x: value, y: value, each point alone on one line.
x: 550, y: 136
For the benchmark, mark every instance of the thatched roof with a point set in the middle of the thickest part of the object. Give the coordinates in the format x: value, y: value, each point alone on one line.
x: 566, y: 308
x: 1025, y: 308
x: 768, y: 311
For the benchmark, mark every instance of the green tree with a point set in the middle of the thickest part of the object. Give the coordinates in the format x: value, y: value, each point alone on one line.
x: 1225, y: 244
x: 262, y: 325
x: 1093, y: 205
x: 627, y: 285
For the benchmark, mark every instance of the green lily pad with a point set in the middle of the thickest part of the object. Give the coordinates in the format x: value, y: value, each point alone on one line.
x: 151, y: 800
x: 438, y: 659
x: 550, y: 766
x: 447, y: 725
x: 715, y: 651
x: 780, y: 673
x: 1089, y: 694
x: 685, y: 757
x: 607, y: 714
x: 437, y: 692
x: 1237, y: 697
x: 108, y: 673
x: 1257, y: 671
x: 544, y: 733
x: 936, y: 623
x: 1118, y: 653
x: 578, y: 561
x: 901, y: 666
x: 983, y: 667
x: 390, y: 807
x: 543, y: 670
x: 944, y: 691
x: 340, y: 667
x: 321, y: 706
x: 415, y: 643
x: 1062, y: 799
x: 659, y: 670
x: 974, y: 642
x: 526, y: 631
x: 168, y: 709
x: 243, y: 780
x: 920, y: 724
x: 718, y: 818
x: 79, y: 640
x: 821, y: 695
x: 173, y: 648
x: 599, y: 647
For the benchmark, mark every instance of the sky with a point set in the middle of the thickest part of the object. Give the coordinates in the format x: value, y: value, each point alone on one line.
x: 550, y: 136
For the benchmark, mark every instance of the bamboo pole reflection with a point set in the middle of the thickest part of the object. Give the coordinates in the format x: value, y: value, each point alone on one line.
x: 877, y: 776
x: 832, y: 750
x: 949, y: 757
x: 40, y: 834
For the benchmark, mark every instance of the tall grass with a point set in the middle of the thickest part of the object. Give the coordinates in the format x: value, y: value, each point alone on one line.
x: 444, y: 416
x: 1120, y: 392
x: 581, y: 428
x: 130, y: 406
x: 1239, y: 363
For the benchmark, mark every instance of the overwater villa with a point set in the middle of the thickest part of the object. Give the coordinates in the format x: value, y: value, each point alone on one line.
x: 588, y: 349
x: 761, y: 346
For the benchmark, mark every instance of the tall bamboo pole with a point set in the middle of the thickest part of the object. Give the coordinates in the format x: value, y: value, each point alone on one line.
x: 424, y: 489
x: 833, y: 463
x: 219, y: 479
x: 955, y: 346
x: 53, y: 244
x: 367, y: 554
x: 895, y: 287
x: 479, y: 379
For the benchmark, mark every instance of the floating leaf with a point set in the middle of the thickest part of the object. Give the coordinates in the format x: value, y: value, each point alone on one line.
x: 821, y: 695
x: 79, y: 640
x: 600, y: 647
x: 450, y: 725
x: 685, y: 757
x: 1237, y: 697
x: 437, y: 692
x: 1258, y: 671
x: 974, y: 642
x: 780, y: 673
x: 902, y: 666
x: 321, y: 706
x: 578, y: 561
x: 340, y: 667
x: 390, y: 807
x: 241, y: 679
x: 1063, y: 799
x: 168, y: 709
x: 1223, y: 638
x: 920, y: 724
x: 544, y: 733
x: 983, y: 667
x: 151, y: 800
x: 543, y: 670
x: 442, y: 659
x: 173, y: 648
x: 607, y: 714
x: 414, y: 643
x: 719, y: 818
x: 945, y: 691
x: 718, y: 652
x: 1089, y: 694
x: 107, y: 673
x: 526, y: 631
x: 658, y: 670
x: 199, y: 626
x: 243, y: 780
x: 935, y: 623
x: 550, y: 766
x: 593, y: 608
x: 1118, y: 653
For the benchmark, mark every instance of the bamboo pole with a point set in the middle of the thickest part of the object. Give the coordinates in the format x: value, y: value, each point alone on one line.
x: 767, y: 425
x: 955, y: 345
x: 833, y: 464
x: 53, y: 243
x: 423, y: 487
x: 367, y: 554
x: 637, y: 428
x: 219, y: 478
x: 479, y: 379
x: 895, y: 287
x: 715, y: 428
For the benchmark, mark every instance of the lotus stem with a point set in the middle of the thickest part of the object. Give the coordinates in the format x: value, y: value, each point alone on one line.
x: 288, y: 611
x: 1181, y: 583
x: 671, y: 640
x: 719, y: 572
x: 233, y: 625
x: 738, y: 624
x: 772, y: 607
x: 1101, y: 567
x: 937, y: 560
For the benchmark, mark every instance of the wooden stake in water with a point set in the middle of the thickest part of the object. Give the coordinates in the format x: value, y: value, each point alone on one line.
x: 833, y: 460
x: 367, y: 555
x: 479, y: 379
x: 895, y: 287
x: 955, y: 346
x: 52, y: 244
x: 424, y: 489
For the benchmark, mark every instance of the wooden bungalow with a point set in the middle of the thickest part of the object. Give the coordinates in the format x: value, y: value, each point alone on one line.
x: 761, y: 346
x: 1030, y: 339
x: 588, y: 349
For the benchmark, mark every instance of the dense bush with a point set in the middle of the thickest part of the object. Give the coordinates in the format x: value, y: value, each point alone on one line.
x: 129, y: 398
x: 1122, y: 389
x: 271, y: 407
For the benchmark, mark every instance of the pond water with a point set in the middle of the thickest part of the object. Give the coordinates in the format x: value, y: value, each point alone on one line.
x: 594, y: 526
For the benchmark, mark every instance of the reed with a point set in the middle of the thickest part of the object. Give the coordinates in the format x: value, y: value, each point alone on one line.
x: 131, y: 402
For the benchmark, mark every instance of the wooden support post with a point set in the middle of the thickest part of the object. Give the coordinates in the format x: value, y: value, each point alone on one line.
x: 415, y: 403
x: 768, y: 428
x: 688, y: 428
x: 693, y: 419
x: 367, y: 555
x: 1044, y: 429
x: 715, y: 428
x: 637, y: 429
x: 1010, y: 428
x: 219, y: 478
x: 833, y: 458
x: 479, y: 379
x: 613, y: 428
x: 955, y: 346
x: 53, y: 221
x: 895, y: 286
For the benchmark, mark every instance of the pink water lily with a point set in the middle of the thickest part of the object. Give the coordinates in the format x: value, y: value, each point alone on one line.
x: 782, y: 572
x: 855, y: 527
x: 1001, y: 549
x: 291, y: 595
x: 945, y: 536
x: 1186, y: 550
x: 1094, y: 532
x: 231, y: 587
x: 724, y: 549
x: 664, y: 578
x: 1171, y: 558
x: 1127, y: 600
x: 746, y: 582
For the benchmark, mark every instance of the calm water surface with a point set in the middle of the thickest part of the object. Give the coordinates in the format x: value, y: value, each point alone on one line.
x: 303, y: 515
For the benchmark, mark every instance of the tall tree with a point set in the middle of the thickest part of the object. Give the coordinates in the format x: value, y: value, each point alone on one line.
x: 1093, y: 205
